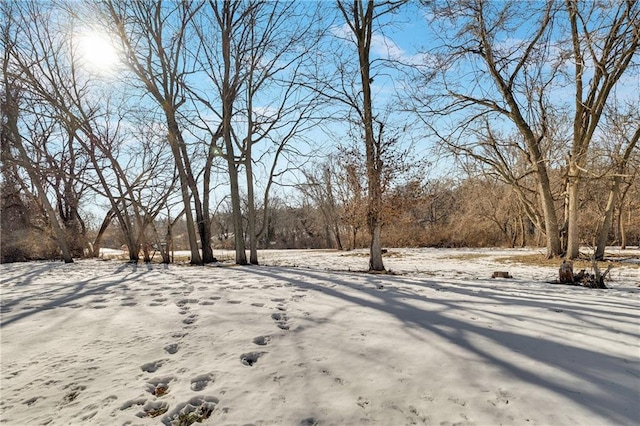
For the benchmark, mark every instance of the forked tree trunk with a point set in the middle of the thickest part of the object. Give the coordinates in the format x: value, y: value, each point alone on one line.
x: 97, y: 242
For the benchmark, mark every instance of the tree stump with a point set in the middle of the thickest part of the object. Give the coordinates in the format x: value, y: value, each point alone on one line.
x: 566, y: 273
x: 582, y: 278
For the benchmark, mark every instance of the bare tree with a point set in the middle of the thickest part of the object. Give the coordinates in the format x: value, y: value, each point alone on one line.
x: 277, y: 109
x: 620, y: 128
x: 524, y: 75
x: 221, y: 31
x: 497, y: 84
x: 360, y: 17
x: 251, y: 53
x: 154, y: 37
x: 17, y: 20
x: 320, y: 188
x: 604, y: 37
x: 137, y: 179
x: 50, y: 67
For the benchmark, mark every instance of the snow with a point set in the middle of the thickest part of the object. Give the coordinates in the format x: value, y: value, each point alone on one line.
x: 311, y: 340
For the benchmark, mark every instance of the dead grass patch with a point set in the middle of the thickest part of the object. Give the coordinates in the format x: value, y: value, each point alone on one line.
x: 541, y: 260
x: 387, y: 253
x: 471, y: 256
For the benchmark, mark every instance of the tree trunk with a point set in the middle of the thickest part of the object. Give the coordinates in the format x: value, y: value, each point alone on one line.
x: 98, y: 240
x: 573, y: 236
x: 236, y: 211
x: 372, y: 147
x: 184, y: 190
x: 228, y: 97
x: 336, y: 232
x: 607, y: 222
x: 354, y: 237
x: 248, y: 154
x: 202, y: 219
x: 554, y: 248
x: 42, y: 195
x: 251, y: 212
x: 375, y: 252
x: 623, y: 232
x: 613, y: 197
x: 133, y: 246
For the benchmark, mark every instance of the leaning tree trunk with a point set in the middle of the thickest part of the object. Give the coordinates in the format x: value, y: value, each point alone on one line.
x: 95, y: 247
x: 554, y: 247
x: 12, y: 127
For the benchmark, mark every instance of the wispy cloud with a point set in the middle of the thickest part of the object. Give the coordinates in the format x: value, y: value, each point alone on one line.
x: 383, y: 47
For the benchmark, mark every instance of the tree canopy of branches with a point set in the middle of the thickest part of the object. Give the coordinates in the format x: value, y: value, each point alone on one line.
x: 213, y: 111
x: 501, y: 66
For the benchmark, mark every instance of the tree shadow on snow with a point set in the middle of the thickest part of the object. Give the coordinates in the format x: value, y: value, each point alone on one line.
x: 45, y: 297
x: 616, y: 380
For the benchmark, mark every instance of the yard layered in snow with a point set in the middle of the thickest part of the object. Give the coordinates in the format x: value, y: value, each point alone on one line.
x: 307, y: 341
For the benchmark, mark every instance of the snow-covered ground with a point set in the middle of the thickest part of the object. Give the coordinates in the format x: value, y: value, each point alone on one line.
x: 308, y: 340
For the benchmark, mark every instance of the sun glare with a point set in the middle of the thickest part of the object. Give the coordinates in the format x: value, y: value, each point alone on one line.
x: 98, y: 52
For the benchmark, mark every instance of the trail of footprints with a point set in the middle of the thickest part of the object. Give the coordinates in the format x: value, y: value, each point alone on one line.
x: 197, y: 408
x: 194, y: 410
x: 281, y: 320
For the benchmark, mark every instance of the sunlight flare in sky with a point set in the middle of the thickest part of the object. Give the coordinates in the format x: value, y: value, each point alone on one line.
x: 97, y: 51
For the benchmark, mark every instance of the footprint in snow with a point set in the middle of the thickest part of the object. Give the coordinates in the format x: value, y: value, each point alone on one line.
x: 251, y: 358
x: 501, y: 397
x: 183, y: 302
x: 281, y: 320
x: 179, y: 335
x: 190, y: 319
x: 200, y: 382
x: 108, y: 400
x: 152, y: 367
x: 262, y: 340
x: 196, y: 410
x: 29, y: 402
x: 153, y: 409
x: 362, y: 402
x: 172, y: 348
x: 159, y: 386
x: 73, y: 393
